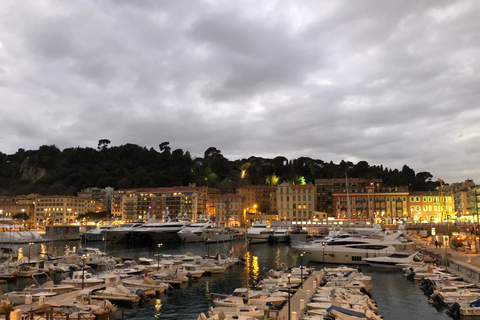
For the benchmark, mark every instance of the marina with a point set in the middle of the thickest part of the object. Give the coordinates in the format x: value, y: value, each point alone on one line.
x: 189, y: 299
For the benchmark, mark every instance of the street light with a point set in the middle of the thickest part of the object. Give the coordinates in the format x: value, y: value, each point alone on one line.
x: 289, y: 288
x: 159, y: 245
x: 323, y: 255
x: 29, y: 250
x: 301, y: 270
x: 83, y: 271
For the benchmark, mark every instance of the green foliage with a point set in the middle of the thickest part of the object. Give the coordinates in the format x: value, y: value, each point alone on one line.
x: 95, y: 216
x: 50, y: 171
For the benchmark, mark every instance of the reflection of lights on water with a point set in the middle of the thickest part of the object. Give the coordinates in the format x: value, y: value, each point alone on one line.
x: 251, y: 266
x: 207, y: 290
x: 277, y: 258
x: 255, y: 267
x: 158, y: 307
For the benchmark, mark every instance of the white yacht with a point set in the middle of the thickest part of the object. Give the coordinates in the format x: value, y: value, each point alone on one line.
x: 397, y: 260
x: 354, y: 250
x: 165, y: 230
x: 281, y: 234
x: 119, y: 234
x: 13, y: 233
x: 98, y: 234
x: 195, y: 231
x: 260, y: 232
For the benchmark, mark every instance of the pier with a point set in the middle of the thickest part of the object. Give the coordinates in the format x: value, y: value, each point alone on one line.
x: 297, y: 301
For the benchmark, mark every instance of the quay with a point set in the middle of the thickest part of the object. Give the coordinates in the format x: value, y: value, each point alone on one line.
x: 463, y: 263
x: 298, y: 300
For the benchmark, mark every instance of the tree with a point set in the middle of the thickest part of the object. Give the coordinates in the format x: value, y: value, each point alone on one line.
x: 103, y: 143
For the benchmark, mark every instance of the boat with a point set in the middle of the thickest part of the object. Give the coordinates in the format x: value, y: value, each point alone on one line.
x: 98, y: 234
x: 354, y: 250
x: 396, y: 260
x: 117, y: 294
x: 281, y: 234
x: 82, y: 279
x: 219, y: 234
x: 298, y: 234
x: 13, y: 233
x: 261, y: 232
x: 119, y: 234
x: 147, y: 283
x: 245, y: 310
x: 165, y: 230
x: 195, y: 231
x: 242, y: 295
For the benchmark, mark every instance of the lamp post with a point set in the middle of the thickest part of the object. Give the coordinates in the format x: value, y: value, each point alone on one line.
x: 301, y: 270
x: 159, y: 245
x: 289, y: 288
x: 83, y: 271
x: 323, y: 255
x: 29, y: 250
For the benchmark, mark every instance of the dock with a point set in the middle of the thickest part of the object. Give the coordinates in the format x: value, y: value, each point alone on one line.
x: 298, y: 300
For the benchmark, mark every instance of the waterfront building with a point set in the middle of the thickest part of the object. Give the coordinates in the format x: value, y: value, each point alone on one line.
x: 20, y: 208
x: 367, y: 202
x: 325, y: 188
x: 473, y: 198
x: 102, y: 197
x: 212, y: 195
x: 428, y: 207
x: 259, y: 198
x: 460, y: 198
x: 60, y: 209
x: 229, y: 210
x: 145, y: 203
x: 296, y: 202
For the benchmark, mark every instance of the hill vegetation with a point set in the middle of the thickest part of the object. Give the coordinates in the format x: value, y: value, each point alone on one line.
x: 50, y: 171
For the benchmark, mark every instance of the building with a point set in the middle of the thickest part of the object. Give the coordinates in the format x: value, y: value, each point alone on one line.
x: 259, y: 198
x: 102, y: 197
x: 325, y: 188
x: 19, y: 208
x: 296, y: 202
x: 212, y: 195
x: 375, y: 204
x: 429, y: 207
x: 473, y: 200
x: 145, y: 203
x: 230, y: 209
x: 57, y: 210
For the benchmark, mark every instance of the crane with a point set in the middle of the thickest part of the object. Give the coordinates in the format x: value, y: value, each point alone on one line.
x: 443, y: 207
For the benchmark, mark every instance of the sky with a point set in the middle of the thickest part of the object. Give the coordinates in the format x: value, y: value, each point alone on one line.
x: 392, y: 83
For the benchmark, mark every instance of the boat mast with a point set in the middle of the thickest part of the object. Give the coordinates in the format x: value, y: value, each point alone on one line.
x: 348, y: 203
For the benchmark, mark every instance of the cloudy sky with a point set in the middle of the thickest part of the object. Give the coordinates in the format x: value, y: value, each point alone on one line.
x: 388, y: 82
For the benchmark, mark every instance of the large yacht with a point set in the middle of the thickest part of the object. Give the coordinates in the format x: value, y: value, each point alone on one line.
x: 98, y: 234
x: 355, y: 249
x: 119, y: 234
x: 165, y: 230
x: 13, y: 233
x: 260, y: 232
x: 195, y: 231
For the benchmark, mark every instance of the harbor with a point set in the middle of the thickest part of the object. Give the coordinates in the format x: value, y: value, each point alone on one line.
x: 190, y: 299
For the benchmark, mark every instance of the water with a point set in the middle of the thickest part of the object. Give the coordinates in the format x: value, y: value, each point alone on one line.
x: 397, y: 298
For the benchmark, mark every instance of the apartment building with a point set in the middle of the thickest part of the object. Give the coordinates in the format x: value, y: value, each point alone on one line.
x: 134, y: 204
x: 325, y: 188
x: 369, y: 203
x: 296, y: 202
x: 427, y: 206
x: 259, y: 198
x: 57, y: 210
x: 230, y: 210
